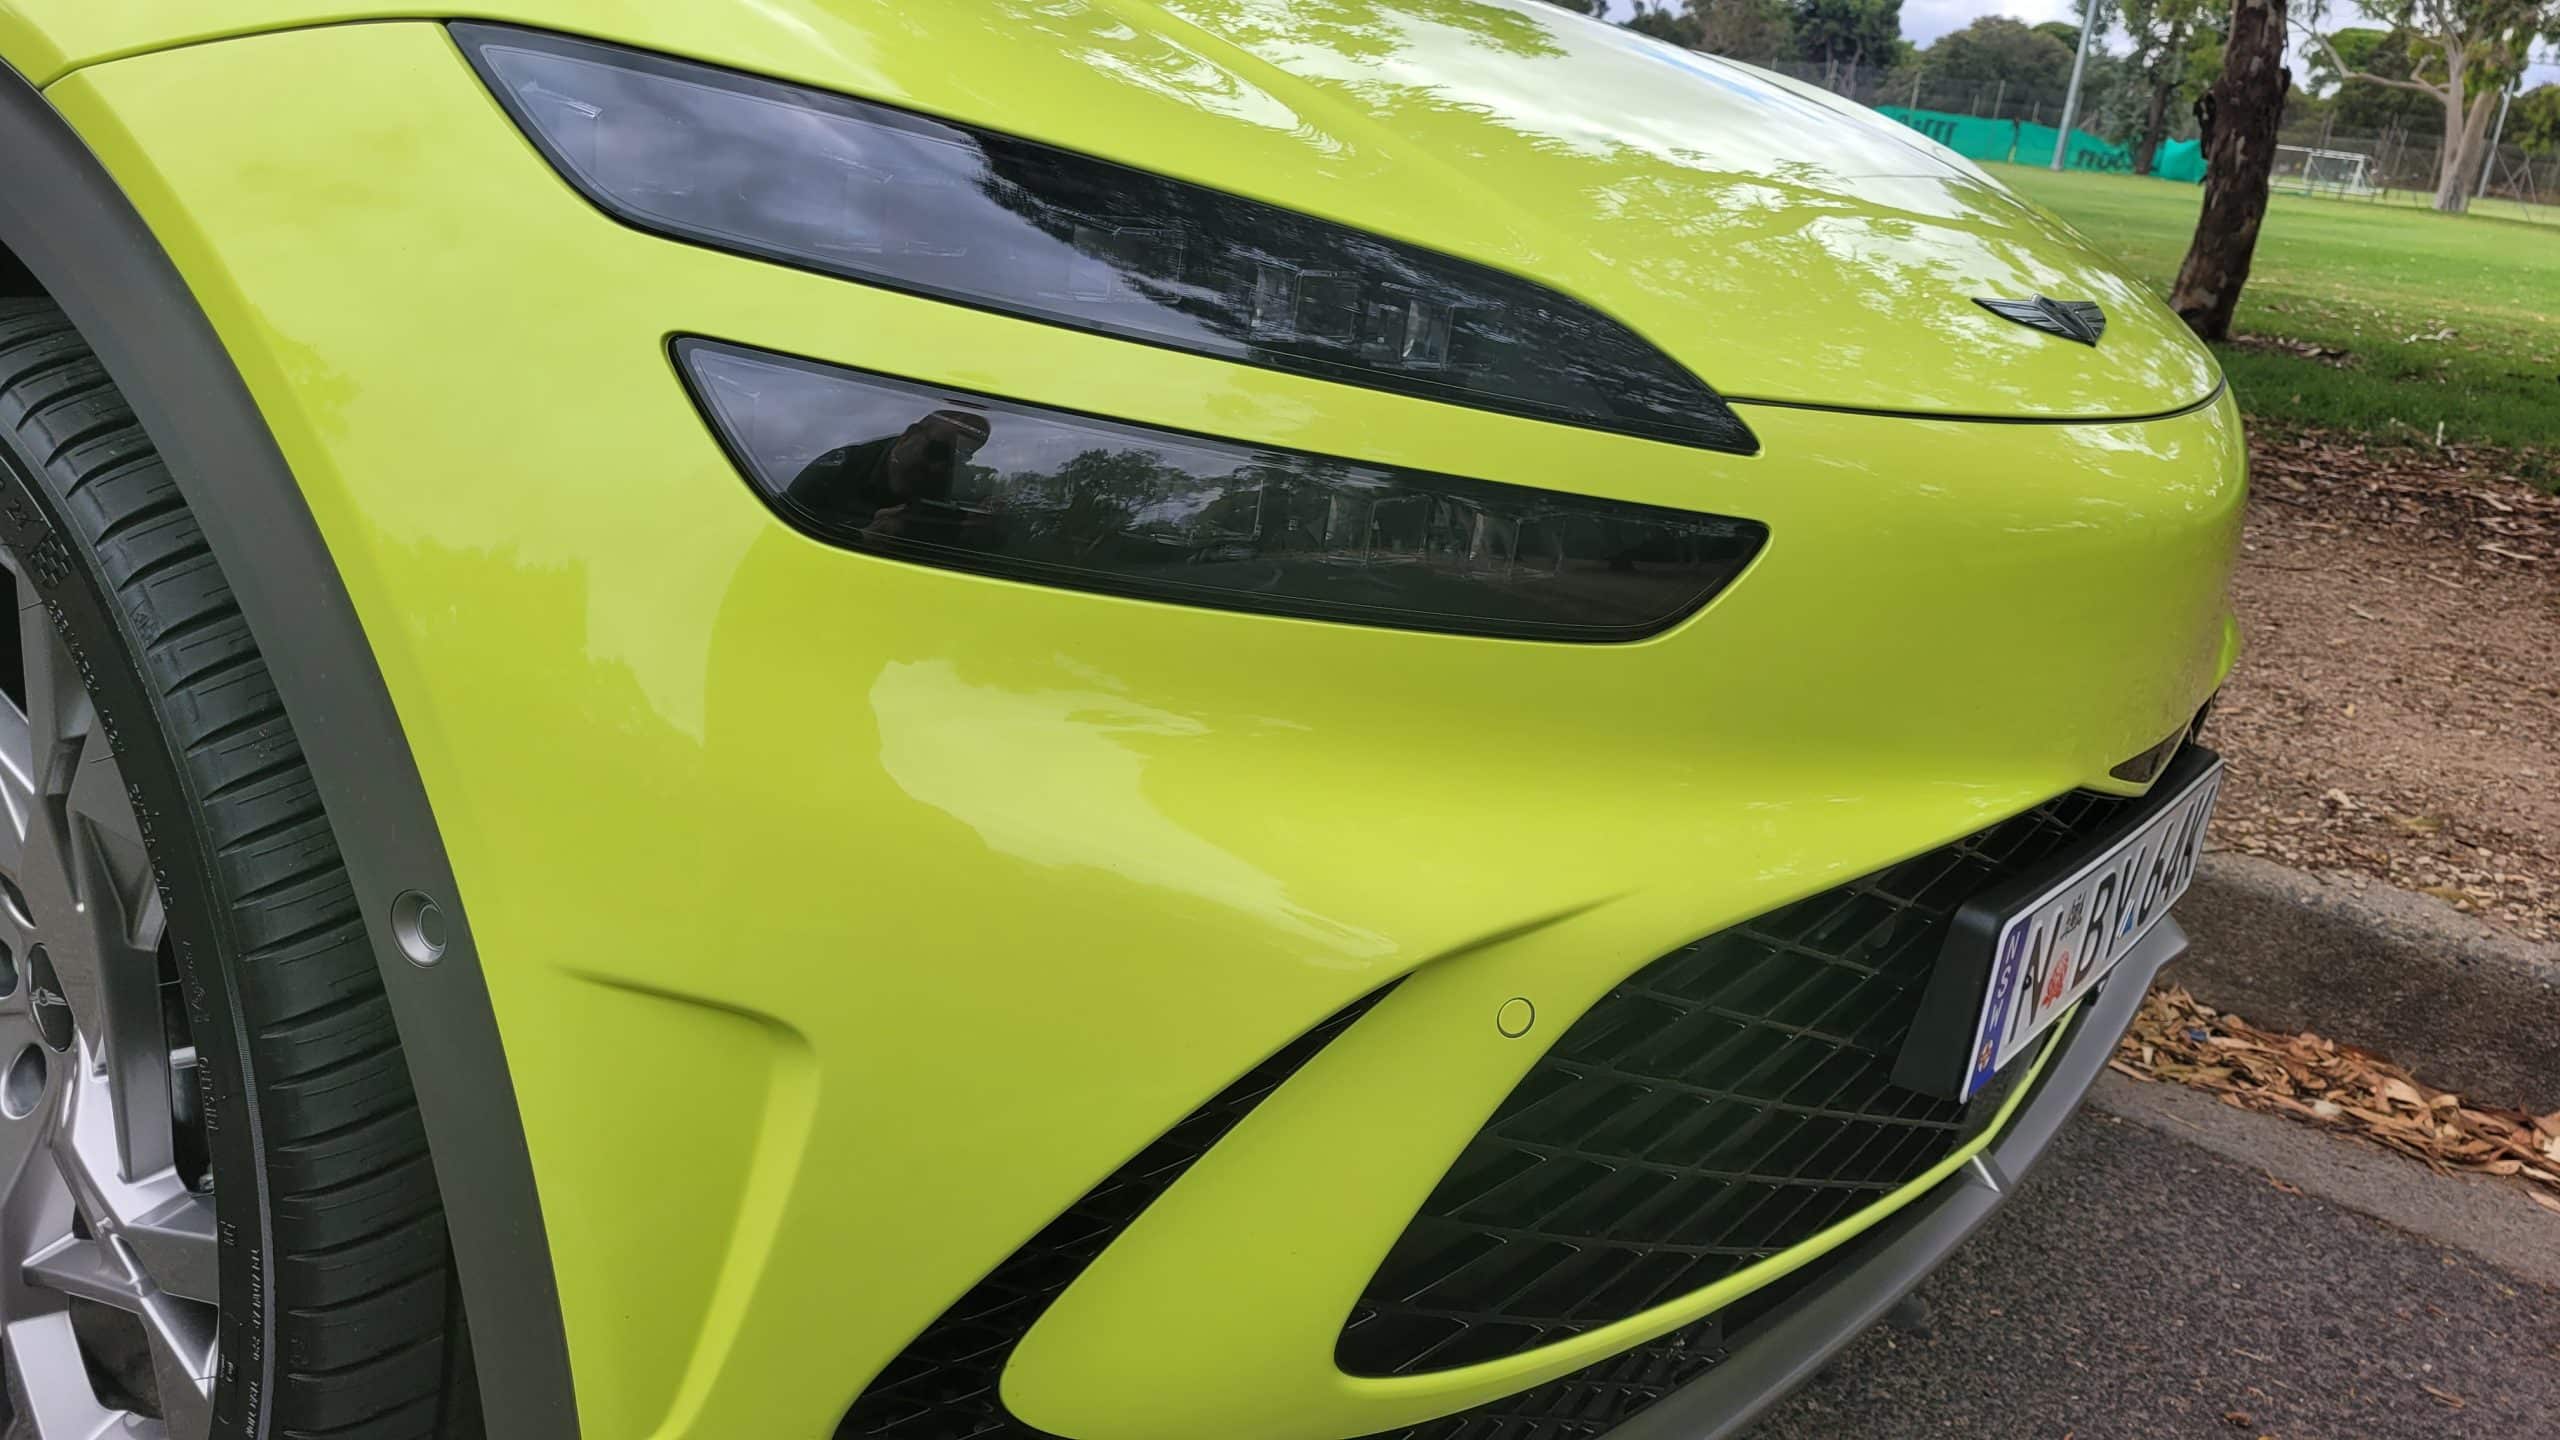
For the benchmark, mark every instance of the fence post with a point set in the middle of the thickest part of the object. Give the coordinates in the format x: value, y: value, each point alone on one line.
x: 1997, y: 96
x: 2505, y: 98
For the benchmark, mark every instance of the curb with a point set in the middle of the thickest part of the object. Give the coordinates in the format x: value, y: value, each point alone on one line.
x: 2459, y: 1003
x: 2491, y: 1219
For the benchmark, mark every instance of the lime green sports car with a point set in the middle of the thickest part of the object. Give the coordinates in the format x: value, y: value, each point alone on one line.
x: 1111, y: 719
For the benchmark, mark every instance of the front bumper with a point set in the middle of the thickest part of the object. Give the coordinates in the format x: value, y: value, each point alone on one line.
x: 846, y: 921
x: 1852, y: 1289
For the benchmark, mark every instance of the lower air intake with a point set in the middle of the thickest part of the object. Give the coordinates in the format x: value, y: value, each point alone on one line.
x: 1729, y: 1101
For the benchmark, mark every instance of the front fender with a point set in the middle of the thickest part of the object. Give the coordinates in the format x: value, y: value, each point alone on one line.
x: 69, y: 223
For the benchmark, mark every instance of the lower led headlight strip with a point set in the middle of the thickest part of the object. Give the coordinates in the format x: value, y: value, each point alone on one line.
x: 970, y: 482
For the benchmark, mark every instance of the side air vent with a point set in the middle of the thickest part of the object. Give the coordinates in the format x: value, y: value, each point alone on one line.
x: 943, y: 1385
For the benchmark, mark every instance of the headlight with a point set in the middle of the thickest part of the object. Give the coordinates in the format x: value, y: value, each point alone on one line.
x: 968, y: 482
x: 896, y: 199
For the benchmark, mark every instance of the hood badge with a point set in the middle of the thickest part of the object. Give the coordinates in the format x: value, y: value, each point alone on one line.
x: 2079, y: 320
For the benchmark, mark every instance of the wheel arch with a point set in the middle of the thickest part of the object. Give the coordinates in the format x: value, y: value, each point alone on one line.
x: 66, y: 227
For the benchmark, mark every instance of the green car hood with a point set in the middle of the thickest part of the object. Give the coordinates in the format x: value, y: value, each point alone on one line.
x: 1786, y: 245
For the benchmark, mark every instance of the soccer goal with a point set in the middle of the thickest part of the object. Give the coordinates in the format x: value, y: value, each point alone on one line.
x: 2323, y: 172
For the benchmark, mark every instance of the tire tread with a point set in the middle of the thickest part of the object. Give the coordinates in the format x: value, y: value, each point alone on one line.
x: 330, y: 1080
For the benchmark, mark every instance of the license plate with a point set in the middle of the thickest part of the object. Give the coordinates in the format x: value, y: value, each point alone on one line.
x: 2051, y: 942
x: 2055, y: 948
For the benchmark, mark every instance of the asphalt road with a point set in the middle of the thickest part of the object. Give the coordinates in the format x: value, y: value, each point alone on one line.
x: 2175, y: 1268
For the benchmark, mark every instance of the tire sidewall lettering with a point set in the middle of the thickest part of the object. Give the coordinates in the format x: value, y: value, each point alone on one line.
x: 73, y: 596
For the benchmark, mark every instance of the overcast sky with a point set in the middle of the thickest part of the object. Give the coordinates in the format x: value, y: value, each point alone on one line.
x: 1926, y: 20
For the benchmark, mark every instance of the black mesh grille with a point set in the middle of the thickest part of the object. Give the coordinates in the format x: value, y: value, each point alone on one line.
x: 1602, y: 1396
x: 943, y: 1385
x: 1729, y: 1100
x: 1588, y: 1402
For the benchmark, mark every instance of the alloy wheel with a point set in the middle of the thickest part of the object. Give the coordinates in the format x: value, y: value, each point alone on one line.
x: 110, y: 1293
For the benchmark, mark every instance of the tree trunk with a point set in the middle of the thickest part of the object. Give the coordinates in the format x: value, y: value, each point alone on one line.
x: 2164, y: 79
x: 2449, y: 159
x: 2466, y: 141
x: 2247, y: 105
x: 2155, y: 127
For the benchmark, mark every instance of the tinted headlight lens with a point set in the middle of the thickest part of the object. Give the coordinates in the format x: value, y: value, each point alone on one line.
x: 893, y: 198
x: 968, y: 482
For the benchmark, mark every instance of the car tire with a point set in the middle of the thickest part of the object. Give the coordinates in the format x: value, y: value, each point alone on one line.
x: 334, y: 1312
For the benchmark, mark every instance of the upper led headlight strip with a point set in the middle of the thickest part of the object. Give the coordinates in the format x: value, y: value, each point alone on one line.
x: 896, y: 199
x: 969, y: 482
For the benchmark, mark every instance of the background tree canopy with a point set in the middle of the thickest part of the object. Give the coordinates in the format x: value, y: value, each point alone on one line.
x: 2032, y: 63
x: 2535, y: 125
x: 1761, y: 30
x: 2150, y: 61
x: 2361, y: 104
x: 1866, y: 32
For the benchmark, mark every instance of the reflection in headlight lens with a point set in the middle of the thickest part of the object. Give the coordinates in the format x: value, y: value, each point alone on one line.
x: 968, y: 482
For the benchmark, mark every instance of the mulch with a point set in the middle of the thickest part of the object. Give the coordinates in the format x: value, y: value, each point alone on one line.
x: 2396, y: 714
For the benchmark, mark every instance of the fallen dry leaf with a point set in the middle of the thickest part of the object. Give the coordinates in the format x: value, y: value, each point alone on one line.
x: 2329, y: 355
x: 2175, y: 1038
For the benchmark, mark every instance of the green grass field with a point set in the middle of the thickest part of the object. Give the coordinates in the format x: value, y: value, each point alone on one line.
x: 2448, y: 320
x: 2497, y: 206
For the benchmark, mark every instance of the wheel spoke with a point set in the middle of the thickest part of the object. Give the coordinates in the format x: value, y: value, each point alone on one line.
x: 114, y: 992
x: 85, y: 1155
x: 180, y: 1335
x: 126, y: 975
x: 150, y: 1250
x: 35, y: 1206
x: 45, y: 1355
x: 179, y: 1249
x: 79, y: 1267
x: 98, y: 799
x: 93, y: 1211
x: 58, y: 710
x: 17, y: 788
x: 90, y: 891
x: 183, y: 1361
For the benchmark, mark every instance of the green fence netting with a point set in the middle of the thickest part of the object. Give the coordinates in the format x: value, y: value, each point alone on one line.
x: 2180, y: 160
x: 2020, y: 141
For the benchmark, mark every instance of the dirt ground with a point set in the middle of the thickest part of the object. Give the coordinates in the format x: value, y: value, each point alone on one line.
x: 2396, y: 713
